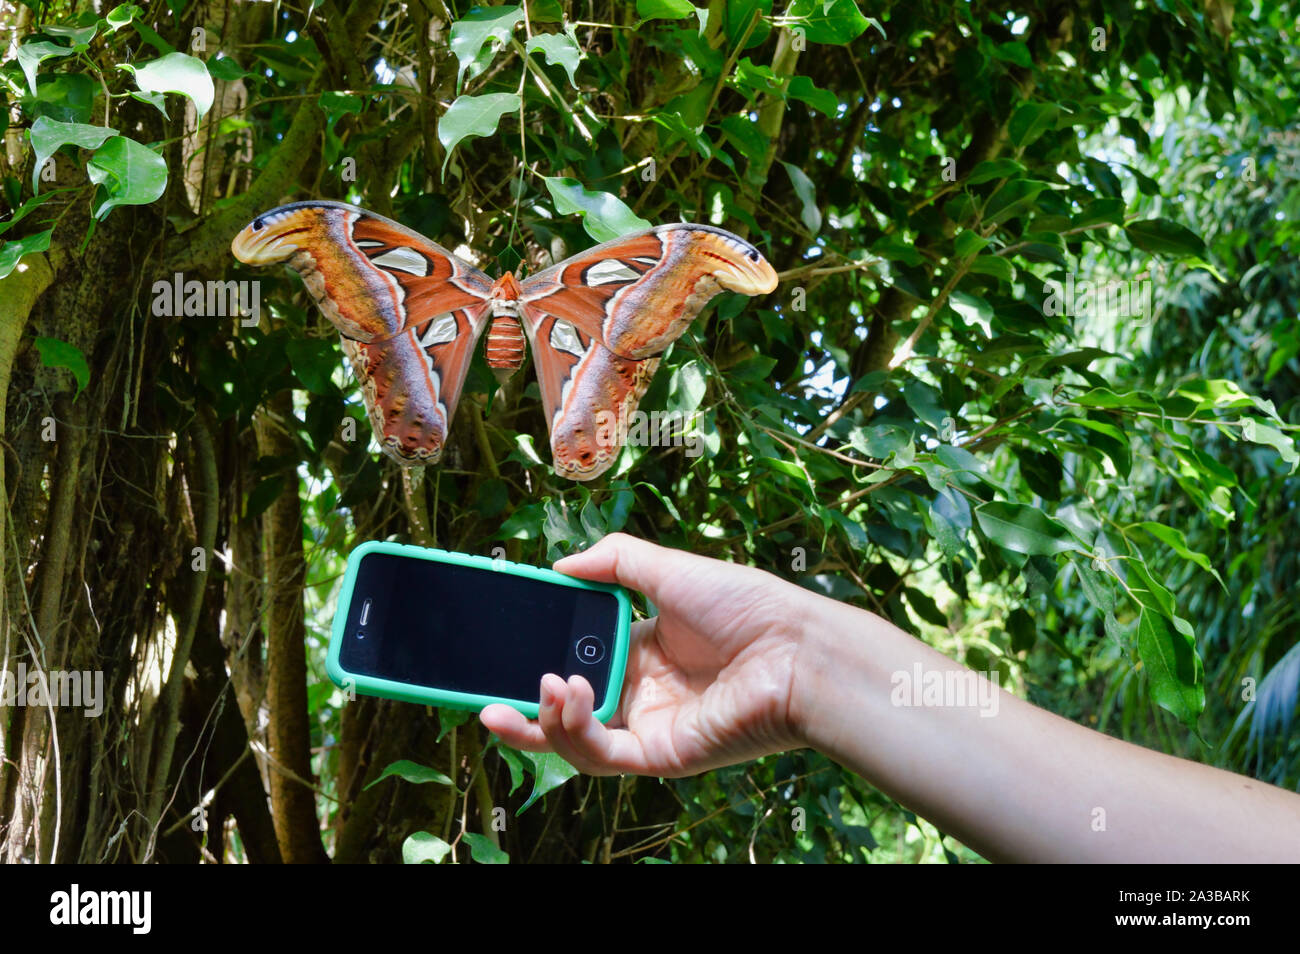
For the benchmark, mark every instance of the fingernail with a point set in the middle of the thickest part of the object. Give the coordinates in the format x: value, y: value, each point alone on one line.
x: 548, y: 697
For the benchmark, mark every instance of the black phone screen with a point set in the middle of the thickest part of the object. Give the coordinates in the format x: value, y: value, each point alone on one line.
x: 472, y: 630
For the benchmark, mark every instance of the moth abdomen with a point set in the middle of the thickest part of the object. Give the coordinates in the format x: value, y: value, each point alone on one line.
x: 505, y: 346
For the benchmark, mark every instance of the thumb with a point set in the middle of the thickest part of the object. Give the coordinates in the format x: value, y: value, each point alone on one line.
x: 626, y: 560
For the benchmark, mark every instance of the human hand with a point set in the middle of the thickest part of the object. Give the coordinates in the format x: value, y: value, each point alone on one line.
x: 709, y: 680
x: 740, y: 664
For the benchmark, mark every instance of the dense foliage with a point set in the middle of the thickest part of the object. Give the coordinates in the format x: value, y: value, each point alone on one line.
x: 1028, y: 388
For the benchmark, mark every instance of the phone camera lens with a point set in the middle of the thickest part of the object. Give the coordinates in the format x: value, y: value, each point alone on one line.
x: 361, y: 634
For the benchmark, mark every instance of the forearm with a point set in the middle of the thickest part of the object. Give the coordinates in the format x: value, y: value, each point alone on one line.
x: 1009, y: 779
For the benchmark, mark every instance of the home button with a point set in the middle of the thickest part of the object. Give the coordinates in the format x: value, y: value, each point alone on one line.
x: 590, y: 650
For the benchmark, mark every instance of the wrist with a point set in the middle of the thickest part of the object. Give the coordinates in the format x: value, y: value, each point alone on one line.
x: 842, y: 676
x: 814, y: 677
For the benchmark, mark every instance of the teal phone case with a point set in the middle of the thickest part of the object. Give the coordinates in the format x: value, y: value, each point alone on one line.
x: 409, y: 692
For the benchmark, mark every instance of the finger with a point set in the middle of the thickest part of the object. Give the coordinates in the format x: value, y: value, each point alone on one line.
x: 591, y: 741
x: 580, y: 740
x: 619, y: 558
x: 516, y: 731
x: 577, y: 715
x: 512, y: 728
x: 550, y: 717
x: 612, y: 750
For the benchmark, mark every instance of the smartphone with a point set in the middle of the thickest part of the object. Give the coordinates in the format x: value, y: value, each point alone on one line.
x: 465, y: 631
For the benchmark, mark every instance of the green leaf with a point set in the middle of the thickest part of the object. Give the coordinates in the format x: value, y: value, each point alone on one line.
x: 337, y: 105
x: 78, y: 36
x: 593, y: 521
x: 524, y: 442
x: 1104, y: 397
x: 1097, y: 586
x: 678, y: 128
x: 122, y: 15
x: 948, y: 519
x: 424, y: 848
x: 618, y: 508
x: 1163, y: 237
x: 67, y: 97
x: 1259, y: 433
x: 562, y: 529
x: 150, y: 36
x: 470, y: 32
x: 157, y: 100
x: 789, y: 468
x: 1024, y: 633
x: 560, y: 50
x: 473, y: 116
x: 671, y: 10
x: 483, y: 851
x: 313, y: 361
x: 266, y: 492
x: 1014, y: 51
x: 1024, y: 529
x: 59, y: 354
x: 968, y: 243
x: 176, y: 73
x: 687, y: 387
x: 1030, y: 121
x: 12, y: 251
x: 545, y: 11
x: 449, y: 719
x: 744, y: 134
x: 1112, y: 441
x: 964, y: 467
x: 973, y: 309
x: 411, y: 772
x: 1172, y: 666
x: 835, y: 22
x: 1100, y: 212
x: 1175, y: 540
x: 48, y: 135
x: 925, y: 607
x: 994, y: 169
x: 1146, y: 185
x: 604, y: 216
x: 664, y: 9
x: 805, y: 90
x: 756, y: 77
x: 853, y: 531
x: 127, y: 173
x: 227, y: 70
x: 1222, y: 393
x: 872, y: 381
x: 740, y: 14
x: 1100, y: 174
x: 807, y: 193
x: 1014, y: 198
x: 894, y: 249
x: 927, y: 403
x: 879, y: 440
x: 994, y: 265
x: 549, y: 773
x: 31, y: 55
x: 668, y: 504
x: 1152, y: 594
x: 514, y: 762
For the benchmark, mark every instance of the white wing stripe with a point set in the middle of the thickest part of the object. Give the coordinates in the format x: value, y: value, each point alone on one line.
x: 565, y: 338
x: 404, y: 259
x: 441, y: 330
x: 612, y: 270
